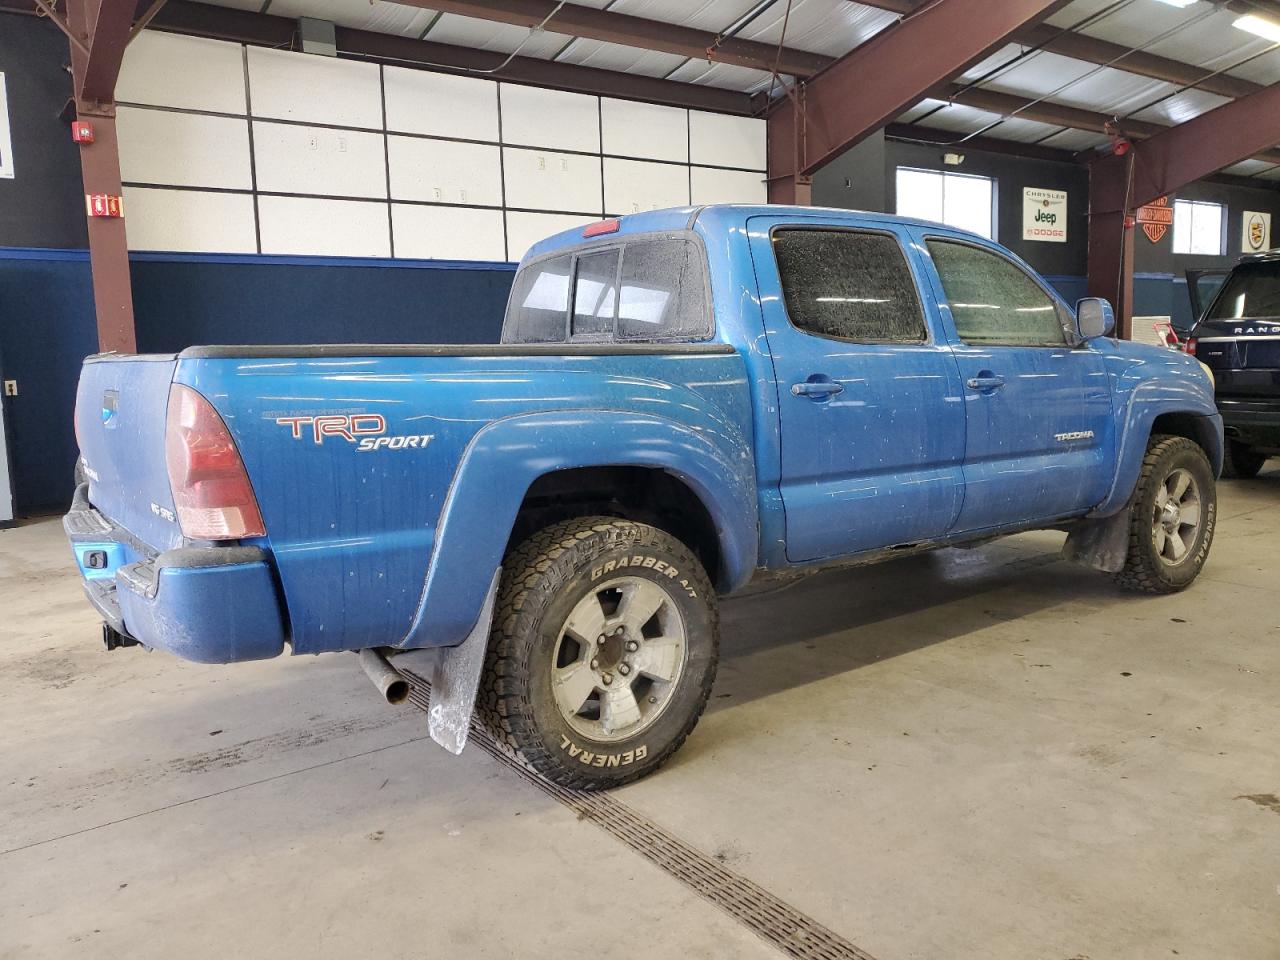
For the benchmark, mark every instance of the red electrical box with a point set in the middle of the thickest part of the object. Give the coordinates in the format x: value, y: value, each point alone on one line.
x: 103, y: 205
x: 82, y: 131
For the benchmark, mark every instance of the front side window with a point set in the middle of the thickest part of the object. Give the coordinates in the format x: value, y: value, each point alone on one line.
x: 959, y: 200
x: 848, y: 285
x: 1199, y: 228
x: 993, y: 300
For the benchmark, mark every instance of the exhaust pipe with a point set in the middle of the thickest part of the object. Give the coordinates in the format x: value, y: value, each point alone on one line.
x: 392, y: 686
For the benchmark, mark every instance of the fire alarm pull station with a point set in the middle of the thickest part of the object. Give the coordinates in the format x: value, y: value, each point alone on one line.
x: 103, y: 205
x: 82, y: 131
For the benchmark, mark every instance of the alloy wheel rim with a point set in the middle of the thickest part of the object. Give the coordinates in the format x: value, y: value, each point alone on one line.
x: 1176, y: 517
x: 618, y: 659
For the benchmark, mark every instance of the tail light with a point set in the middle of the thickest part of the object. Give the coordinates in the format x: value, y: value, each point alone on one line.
x: 211, y: 490
x: 1191, y: 346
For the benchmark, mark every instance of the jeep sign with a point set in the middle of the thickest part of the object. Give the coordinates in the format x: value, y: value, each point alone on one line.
x: 1044, y: 215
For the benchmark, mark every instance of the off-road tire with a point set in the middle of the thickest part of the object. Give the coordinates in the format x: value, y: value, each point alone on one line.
x: 1144, y: 569
x: 542, y: 580
x: 1240, y: 462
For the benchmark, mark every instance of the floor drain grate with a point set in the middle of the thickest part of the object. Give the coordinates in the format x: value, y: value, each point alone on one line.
x: 778, y: 923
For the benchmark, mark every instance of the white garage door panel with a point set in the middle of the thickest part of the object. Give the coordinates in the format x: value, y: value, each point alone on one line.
x: 183, y: 149
x: 542, y: 180
x: 189, y: 221
x: 188, y: 72
x: 631, y: 186
x: 442, y: 171
x: 448, y: 233
x: 340, y: 228
x: 439, y: 105
x: 526, y: 229
x: 645, y: 130
x: 317, y: 160
x: 728, y: 186
x: 550, y: 118
x: 297, y: 86
x: 723, y: 141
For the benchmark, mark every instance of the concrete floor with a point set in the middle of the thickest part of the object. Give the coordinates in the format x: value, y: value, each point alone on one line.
x: 980, y: 754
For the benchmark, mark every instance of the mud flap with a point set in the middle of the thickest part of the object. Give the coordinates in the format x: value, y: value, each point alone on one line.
x: 454, y: 673
x: 1101, y: 544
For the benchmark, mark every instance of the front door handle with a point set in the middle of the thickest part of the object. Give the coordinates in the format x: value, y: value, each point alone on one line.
x: 985, y: 382
x: 817, y: 389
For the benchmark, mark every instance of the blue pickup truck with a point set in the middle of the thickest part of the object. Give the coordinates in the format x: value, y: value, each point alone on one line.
x: 682, y: 402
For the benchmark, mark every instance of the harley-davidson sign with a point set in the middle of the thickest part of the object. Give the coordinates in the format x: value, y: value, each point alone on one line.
x: 1156, y: 218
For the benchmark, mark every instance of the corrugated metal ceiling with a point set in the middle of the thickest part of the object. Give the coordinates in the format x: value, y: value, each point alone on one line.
x: 1200, y: 34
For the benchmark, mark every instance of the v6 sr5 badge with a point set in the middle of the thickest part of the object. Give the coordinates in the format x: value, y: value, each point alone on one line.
x: 366, y: 430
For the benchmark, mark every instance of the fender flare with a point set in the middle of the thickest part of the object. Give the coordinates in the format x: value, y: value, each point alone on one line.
x: 1146, y: 402
x: 504, y: 459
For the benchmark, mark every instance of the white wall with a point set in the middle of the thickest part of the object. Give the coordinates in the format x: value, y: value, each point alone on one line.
x: 232, y: 149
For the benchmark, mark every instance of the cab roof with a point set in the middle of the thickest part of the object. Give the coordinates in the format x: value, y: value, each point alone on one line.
x: 683, y: 218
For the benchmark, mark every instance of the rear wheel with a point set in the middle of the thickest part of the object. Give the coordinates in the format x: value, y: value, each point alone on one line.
x: 1240, y: 462
x: 603, y: 651
x: 1171, y: 519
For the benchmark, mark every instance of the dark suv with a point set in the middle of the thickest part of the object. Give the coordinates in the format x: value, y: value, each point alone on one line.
x: 1238, y: 338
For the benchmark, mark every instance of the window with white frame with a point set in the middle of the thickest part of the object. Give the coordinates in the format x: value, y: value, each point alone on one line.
x: 1199, y: 227
x: 957, y: 199
x: 6, y: 141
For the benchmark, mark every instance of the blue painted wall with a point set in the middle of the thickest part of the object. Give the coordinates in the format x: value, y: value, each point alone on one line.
x: 47, y: 325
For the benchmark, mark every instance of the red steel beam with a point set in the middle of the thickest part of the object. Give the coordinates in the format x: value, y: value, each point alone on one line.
x: 1155, y: 168
x: 1061, y: 115
x: 1110, y: 257
x: 105, y: 26
x: 935, y: 136
x: 1191, y: 151
x: 1080, y: 46
x: 106, y: 23
x: 632, y: 31
x: 869, y: 87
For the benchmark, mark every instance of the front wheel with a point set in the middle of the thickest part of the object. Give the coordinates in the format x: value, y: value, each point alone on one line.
x: 603, y: 651
x: 1171, y: 519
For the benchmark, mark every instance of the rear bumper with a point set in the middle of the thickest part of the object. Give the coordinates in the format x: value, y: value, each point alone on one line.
x: 1252, y: 422
x: 207, y: 604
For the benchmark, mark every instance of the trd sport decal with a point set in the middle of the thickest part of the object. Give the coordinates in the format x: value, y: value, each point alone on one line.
x: 365, y: 430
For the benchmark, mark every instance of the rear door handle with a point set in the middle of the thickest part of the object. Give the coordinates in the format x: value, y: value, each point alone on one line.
x: 817, y: 389
x: 985, y: 382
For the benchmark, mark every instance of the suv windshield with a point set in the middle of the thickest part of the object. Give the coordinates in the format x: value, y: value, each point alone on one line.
x: 1252, y: 290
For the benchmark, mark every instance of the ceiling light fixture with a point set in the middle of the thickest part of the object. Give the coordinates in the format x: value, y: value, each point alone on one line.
x: 1178, y: 3
x: 1259, y: 26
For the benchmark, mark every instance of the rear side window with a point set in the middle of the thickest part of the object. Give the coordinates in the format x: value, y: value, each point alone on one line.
x: 994, y: 301
x: 643, y: 291
x: 539, y: 302
x: 848, y: 285
x: 664, y: 292
x: 1252, y: 290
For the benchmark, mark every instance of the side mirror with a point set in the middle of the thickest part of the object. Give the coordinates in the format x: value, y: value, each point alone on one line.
x: 1094, y: 318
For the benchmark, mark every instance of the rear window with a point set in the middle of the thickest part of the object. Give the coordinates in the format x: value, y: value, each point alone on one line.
x: 647, y: 290
x: 1252, y: 290
x: 848, y: 285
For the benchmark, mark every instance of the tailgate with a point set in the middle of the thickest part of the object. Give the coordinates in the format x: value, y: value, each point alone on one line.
x: 121, y: 406
x: 1244, y: 355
